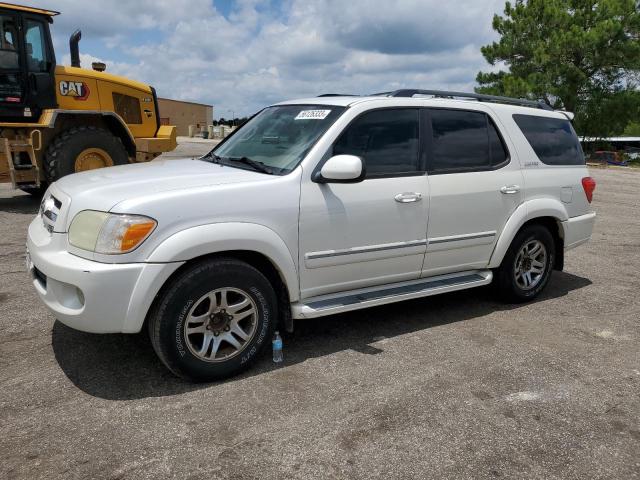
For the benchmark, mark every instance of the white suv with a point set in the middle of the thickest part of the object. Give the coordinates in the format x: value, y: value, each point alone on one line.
x: 311, y: 208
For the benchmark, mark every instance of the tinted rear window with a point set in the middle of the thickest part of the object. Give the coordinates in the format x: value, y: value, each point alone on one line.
x: 553, y: 139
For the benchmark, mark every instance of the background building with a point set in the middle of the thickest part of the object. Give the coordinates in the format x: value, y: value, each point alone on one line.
x: 182, y: 114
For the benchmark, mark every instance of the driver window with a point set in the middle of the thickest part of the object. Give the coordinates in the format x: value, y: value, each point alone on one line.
x: 37, y: 59
x: 387, y: 140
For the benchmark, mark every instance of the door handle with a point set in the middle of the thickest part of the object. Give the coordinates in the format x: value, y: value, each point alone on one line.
x: 408, y: 197
x: 510, y: 189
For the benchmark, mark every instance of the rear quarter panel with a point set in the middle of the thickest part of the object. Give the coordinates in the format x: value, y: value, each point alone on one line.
x: 556, y: 182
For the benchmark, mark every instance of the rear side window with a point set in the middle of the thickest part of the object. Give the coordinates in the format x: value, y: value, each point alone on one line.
x: 465, y: 141
x: 386, y: 139
x: 553, y: 139
x: 127, y: 107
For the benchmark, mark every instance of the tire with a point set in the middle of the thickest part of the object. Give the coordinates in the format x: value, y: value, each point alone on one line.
x: 63, y: 151
x: 189, y: 295
x: 510, y: 282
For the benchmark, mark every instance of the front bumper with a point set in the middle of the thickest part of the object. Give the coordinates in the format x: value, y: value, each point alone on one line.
x: 87, y: 295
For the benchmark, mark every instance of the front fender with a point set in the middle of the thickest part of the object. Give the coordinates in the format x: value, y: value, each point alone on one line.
x: 536, y: 208
x: 220, y: 237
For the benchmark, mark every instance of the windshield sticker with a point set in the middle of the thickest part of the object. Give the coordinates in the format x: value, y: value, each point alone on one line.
x: 312, y: 115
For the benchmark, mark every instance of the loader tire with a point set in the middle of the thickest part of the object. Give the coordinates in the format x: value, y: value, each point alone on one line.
x: 82, y: 148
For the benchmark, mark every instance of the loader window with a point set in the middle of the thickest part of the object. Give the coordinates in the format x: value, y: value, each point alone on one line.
x: 127, y: 107
x: 37, y: 58
x: 10, y: 76
x: 9, y: 59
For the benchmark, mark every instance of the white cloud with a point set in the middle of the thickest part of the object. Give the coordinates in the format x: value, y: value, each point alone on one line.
x: 263, y: 52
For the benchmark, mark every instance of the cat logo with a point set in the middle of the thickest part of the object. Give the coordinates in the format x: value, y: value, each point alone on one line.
x: 77, y: 90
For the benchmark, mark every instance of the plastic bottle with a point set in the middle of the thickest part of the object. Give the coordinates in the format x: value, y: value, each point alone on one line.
x: 277, y: 348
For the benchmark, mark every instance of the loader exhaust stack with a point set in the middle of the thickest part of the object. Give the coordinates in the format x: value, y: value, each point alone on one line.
x: 73, y: 48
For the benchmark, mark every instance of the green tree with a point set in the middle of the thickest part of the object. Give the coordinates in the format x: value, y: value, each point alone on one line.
x: 580, y: 55
x: 632, y: 130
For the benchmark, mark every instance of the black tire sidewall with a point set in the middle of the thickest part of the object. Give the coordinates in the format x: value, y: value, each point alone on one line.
x: 174, y: 306
x: 64, y: 149
x: 507, y: 282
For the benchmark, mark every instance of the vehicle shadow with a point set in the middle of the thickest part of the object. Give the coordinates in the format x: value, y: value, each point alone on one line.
x: 21, y: 203
x: 123, y: 367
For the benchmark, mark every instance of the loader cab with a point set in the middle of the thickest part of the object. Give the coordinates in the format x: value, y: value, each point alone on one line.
x: 27, y: 63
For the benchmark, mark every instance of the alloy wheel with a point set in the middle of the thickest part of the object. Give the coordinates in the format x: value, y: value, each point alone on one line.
x: 530, y: 264
x: 220, y: 324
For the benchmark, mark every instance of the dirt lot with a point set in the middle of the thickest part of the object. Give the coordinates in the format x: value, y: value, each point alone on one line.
x: 456, y: 386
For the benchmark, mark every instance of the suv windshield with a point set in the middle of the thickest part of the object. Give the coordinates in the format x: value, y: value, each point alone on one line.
x: 277, y: 138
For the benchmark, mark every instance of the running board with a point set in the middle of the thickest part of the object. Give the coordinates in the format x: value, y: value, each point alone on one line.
x: 380, y: 295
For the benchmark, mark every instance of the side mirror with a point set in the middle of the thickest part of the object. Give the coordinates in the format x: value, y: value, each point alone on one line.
x: 341, y: 169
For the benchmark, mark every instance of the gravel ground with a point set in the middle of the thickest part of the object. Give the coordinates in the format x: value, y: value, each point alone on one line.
x: 455, y: 386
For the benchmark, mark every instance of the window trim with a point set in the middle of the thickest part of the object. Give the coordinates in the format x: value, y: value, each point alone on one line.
x: 373, y: 176
x: 429, y: 141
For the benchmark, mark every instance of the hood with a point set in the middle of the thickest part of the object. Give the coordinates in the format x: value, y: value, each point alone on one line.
x: 109, y: 186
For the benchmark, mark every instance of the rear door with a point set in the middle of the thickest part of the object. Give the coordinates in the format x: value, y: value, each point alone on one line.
x: 474, y: 187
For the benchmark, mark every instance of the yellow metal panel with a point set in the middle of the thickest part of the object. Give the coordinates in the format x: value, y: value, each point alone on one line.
x: 22, y: 8
x: 165, y: 141
x: 147, y: 127
x: 107, y: 77
x: 82, y: 89
x: 167, y: 131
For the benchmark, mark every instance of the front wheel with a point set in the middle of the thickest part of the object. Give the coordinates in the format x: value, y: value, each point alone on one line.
x: 82, y: 148
x: 527, y: 265
x: 213, y: 320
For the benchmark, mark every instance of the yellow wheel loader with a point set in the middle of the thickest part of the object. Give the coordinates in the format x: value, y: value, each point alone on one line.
x: 56, y: 120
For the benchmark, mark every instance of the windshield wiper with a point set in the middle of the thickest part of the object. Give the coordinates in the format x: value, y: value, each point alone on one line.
x: 258, y: 166
x: 211, y: 156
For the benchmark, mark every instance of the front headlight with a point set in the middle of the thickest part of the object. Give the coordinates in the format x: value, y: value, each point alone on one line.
x: 109, y: 233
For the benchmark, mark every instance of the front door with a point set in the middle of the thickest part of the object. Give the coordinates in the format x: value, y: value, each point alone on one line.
x: 12, y: 80
x: 474, y: 185
x: 374, y: 232
x: 27, y: 65
x: 40, y: 64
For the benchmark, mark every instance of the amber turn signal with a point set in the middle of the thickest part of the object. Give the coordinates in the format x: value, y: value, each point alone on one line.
x: 135, y: 234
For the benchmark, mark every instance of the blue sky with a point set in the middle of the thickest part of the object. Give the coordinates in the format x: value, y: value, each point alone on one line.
x: 242, y: 55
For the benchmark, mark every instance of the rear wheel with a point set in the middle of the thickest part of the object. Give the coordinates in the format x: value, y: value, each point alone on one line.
x: 82, y: 148
x: 213, y: 320
x: 527, y: 266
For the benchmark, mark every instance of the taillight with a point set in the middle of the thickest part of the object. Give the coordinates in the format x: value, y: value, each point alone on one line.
x: 589, y: 185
